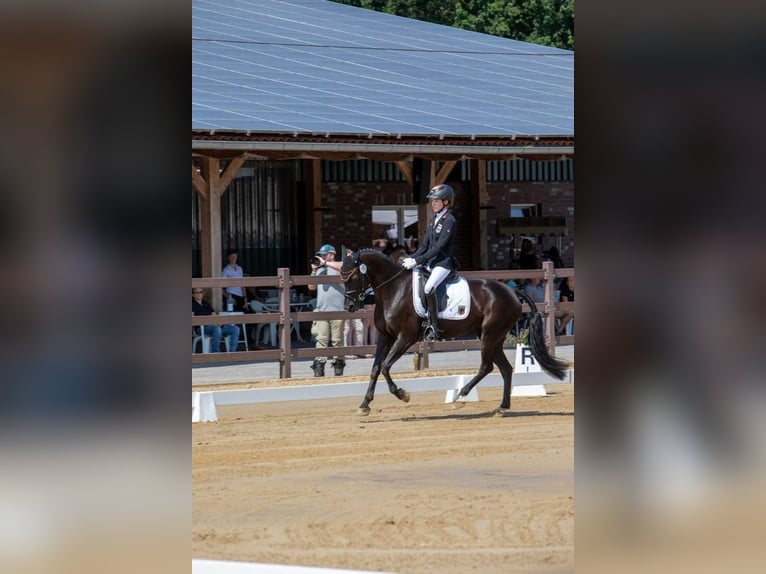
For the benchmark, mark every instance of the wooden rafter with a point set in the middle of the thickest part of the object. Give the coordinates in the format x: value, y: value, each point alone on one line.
x: 406, y: 168
x: 444, y: 171
x: 199, y: 183
x: 229, y: 173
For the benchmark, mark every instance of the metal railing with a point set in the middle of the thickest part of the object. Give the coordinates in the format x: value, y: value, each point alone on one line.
x: 286, y: 317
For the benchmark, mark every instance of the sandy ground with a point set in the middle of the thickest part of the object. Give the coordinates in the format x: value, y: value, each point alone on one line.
x: 413, y: 488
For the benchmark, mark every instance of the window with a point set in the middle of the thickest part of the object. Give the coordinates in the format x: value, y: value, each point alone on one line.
x: 525, y: 210
x: 395, y: 222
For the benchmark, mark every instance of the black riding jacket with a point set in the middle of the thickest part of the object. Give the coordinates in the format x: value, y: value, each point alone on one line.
x: 436, y: 249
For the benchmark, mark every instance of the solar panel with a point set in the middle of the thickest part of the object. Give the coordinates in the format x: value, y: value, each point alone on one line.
x: 318, y: 66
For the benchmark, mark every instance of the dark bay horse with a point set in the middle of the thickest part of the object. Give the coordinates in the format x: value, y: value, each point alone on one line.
x: 495, y: 308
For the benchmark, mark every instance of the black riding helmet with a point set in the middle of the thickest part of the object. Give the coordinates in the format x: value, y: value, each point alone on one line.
x: 443, y: 192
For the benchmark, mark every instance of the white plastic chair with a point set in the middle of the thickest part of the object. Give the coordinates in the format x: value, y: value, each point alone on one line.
x: 270, y: 338
x: 196, y: 337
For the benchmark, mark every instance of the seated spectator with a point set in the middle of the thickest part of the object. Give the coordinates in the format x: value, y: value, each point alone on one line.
x: 567, y: 296
x: 513, y: 283
x: 535, y: 290
x: 201, y: 306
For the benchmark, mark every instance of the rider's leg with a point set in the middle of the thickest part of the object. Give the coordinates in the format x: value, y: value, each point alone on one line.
x: 438, y: 274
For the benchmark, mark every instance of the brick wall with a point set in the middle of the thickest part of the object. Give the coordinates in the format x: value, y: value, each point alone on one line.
x: 348, y: 220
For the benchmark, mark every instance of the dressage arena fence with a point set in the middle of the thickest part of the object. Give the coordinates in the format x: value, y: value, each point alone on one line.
x: 285, y: 317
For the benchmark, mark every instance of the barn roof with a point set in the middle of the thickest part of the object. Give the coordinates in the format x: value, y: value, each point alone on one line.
x: 317, y: 69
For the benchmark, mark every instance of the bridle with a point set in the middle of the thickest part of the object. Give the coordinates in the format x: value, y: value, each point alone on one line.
x: 361, y: 268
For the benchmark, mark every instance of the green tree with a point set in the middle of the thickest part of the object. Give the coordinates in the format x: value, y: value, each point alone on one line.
x: 546, y: 22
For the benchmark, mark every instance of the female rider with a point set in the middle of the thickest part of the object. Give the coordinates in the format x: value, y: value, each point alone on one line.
x: 435, y: 252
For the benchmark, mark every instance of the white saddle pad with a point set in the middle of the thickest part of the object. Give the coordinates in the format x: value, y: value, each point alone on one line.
x: 458, y: 299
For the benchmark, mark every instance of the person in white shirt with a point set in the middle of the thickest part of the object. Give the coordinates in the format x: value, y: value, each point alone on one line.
x: 237, y: 293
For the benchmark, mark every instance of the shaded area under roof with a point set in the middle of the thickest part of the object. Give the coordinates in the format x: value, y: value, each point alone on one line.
x: 317, y: 67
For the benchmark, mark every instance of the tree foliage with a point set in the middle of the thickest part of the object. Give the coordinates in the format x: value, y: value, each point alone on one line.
x: 546, y: 22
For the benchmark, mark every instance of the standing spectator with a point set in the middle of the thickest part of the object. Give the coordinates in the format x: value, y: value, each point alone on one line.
x: 555, y: 257
x: 234, y: 270
x: 567, y: 296
x: 200, y: 306
x: 528, y: 258
x: 329, y: 298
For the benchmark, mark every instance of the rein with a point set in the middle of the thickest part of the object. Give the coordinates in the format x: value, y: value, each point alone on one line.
x: 350, y: 294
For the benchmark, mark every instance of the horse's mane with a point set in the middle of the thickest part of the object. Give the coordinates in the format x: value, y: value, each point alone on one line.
x: 369, y: 253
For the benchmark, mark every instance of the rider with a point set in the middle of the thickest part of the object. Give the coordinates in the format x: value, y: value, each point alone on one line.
x: 435, y: 252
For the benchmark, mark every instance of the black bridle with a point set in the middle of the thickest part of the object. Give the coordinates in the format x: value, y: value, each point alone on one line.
x: 361, y: 268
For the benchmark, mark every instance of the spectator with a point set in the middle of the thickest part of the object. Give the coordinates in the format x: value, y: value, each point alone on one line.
x: 513, y: 283
x: 528, y: 258
x: 555, y: 257
x: 200, y: 306
x: 567, y: 296
x: 234, y: 270
x: 330, y: 297
x: 534, y: 289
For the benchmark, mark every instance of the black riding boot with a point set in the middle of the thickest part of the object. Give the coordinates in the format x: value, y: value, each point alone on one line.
x: 318, y: 368
x: 337, y: 366
x: 432, y: 329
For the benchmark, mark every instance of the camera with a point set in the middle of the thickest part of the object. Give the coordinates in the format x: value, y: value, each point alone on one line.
x: 316, y: 261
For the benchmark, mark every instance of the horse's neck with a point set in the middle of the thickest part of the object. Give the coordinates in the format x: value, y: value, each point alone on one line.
x: 381, y: 269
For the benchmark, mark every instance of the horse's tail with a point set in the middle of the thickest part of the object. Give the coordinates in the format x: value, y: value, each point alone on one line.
x: 548, y: 362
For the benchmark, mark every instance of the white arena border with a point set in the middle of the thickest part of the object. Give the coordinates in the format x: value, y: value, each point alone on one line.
x: 524, y: 384
x: 222, y: 567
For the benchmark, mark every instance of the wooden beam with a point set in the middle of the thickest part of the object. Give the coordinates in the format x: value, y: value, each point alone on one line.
x: 210, y: 226
x: 313, y: 176
x: 425, y: 215
x: 229, y: 173
x: 406, y: 168
x: 479, y: 200
x: 199, y: 183
x: 444, y: 171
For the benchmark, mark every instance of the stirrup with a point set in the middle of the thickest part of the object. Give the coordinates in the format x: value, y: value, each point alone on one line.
x: 431, y: 333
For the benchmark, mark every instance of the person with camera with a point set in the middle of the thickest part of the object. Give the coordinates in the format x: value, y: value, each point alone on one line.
x: 330, y: 297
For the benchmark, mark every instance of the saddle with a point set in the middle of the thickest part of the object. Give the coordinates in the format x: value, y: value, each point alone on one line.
x: 441, y: 289
x: 452, y: 295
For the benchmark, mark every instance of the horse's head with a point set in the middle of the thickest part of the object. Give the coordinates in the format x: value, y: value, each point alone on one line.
x: 353, y: 273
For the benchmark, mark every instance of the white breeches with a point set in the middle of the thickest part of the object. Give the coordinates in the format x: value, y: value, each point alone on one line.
x: 437, y: 276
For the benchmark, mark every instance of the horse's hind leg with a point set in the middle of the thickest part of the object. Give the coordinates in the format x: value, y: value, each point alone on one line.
x: 484, y: 369
x: 506, y: 370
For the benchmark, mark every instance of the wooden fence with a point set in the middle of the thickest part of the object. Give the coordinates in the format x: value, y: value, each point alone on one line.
x: 285, y: 317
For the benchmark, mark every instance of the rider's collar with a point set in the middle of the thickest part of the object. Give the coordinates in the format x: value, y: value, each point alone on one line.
x: 440, y: 214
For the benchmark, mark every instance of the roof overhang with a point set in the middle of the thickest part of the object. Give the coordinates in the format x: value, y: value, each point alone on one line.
x: 389, y: 148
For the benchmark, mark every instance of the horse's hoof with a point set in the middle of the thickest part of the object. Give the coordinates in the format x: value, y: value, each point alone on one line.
x: 501, y: 412
x: 457, y: 405
x: 404, y: 396
x: 362, y: 411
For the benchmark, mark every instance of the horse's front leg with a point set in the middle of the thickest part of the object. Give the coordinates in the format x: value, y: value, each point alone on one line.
x: 384, y: 344
x: 399, y: 347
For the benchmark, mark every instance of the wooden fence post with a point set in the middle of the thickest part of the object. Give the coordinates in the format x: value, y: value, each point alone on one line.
x: 550, y: 307
x: 285, y: 321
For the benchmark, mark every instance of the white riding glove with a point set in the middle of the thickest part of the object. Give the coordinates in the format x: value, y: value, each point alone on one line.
x: 409, y: 263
